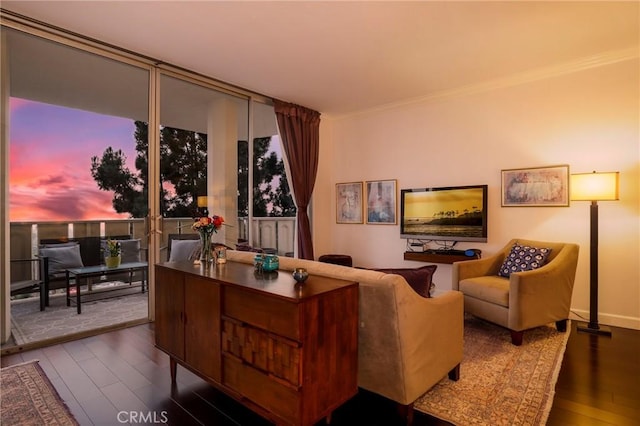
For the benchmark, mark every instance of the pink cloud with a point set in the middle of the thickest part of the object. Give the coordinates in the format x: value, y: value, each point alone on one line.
x: 50, y: 163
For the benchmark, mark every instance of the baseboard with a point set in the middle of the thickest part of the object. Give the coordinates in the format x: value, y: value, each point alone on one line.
x: 607, y: 319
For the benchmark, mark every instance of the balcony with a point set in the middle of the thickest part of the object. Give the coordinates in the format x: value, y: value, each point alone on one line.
x: 33, y: 328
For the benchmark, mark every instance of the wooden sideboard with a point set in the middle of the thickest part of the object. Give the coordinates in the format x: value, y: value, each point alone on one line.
x: 286, y: 351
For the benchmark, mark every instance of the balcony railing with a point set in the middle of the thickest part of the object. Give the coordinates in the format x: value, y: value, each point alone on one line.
x: 272, y: 234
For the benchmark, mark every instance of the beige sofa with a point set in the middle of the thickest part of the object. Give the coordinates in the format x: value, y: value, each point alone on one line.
x: 406, y: 343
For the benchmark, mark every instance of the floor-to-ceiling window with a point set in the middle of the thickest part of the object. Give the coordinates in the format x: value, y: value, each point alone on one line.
x: 104, y: 142
x: 199, y: 128
x: 266, y: 205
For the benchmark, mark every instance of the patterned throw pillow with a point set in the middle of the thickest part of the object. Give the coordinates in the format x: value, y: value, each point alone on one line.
x: 523, y: 258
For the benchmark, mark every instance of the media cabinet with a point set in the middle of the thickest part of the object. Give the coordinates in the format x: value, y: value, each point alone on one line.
x: 286, y: 351
x: 441, y: 256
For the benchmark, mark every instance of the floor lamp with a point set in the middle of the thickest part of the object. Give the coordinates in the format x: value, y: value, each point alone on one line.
x: 594, y: 187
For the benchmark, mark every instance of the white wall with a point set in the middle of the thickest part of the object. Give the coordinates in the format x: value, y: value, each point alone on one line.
x: 587, y: 118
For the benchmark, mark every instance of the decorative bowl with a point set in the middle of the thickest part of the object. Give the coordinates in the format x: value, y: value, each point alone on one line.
x: 300, y: 275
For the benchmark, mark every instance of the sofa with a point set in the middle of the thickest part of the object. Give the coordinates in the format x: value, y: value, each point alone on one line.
x: 60, y: 254
x: 406, y: 342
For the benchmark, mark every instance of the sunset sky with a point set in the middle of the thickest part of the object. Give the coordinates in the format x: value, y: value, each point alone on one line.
x: 50, y: 154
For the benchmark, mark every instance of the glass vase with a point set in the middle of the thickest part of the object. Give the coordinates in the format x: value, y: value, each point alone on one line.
x: 205, y: 247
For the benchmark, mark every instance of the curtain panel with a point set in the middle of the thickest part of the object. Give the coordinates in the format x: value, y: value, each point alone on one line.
x: 300, y: 134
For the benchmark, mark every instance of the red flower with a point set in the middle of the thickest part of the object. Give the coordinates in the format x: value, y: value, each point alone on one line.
x: 217, y: 221
x: 207, y: 224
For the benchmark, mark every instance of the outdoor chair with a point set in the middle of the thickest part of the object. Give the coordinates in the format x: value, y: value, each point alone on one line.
x: 527, y: 284
x: 182, y: 247
x: 27, y: 276
x: 185, y: 247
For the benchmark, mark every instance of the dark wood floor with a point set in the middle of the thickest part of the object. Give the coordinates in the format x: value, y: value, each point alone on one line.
x: 599, y: 384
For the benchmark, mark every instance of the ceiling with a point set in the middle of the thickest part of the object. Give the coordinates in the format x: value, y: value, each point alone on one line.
x: 343, y: 57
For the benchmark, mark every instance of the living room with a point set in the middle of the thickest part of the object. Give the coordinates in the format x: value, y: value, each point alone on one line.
x: 581, y: 112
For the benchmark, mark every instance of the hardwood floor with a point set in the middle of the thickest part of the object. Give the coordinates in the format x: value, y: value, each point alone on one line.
x: 599, y: 382
x: 121, y: 378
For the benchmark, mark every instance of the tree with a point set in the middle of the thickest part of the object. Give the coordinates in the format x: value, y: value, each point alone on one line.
x: 271, y: 194
x: 183, y: 172
x: 183, y: 175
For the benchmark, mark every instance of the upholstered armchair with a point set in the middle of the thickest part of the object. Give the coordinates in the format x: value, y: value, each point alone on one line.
x: 523, y: 292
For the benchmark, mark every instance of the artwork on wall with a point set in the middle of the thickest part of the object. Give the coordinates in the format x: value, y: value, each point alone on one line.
x: 381, y: 202
x: 349, y: 202
x: 536, y: 187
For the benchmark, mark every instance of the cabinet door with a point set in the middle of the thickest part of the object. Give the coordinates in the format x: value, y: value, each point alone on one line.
x: 202, y: 325
x: 169, y: 327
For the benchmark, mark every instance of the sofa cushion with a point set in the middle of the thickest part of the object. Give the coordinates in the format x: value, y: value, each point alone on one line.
x: 130, y: 250
x: 61, y: 258
x: 523, y: 258
x: 420, y: 279
x: 183, y: 249
x: 67, y: 244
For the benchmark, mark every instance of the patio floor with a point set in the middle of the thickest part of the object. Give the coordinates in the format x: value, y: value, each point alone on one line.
x: 32, y: 328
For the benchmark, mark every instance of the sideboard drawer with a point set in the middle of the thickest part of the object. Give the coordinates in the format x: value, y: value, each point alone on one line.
x: 272, y: 354
x: 271, y: 394
x: 274, y: 315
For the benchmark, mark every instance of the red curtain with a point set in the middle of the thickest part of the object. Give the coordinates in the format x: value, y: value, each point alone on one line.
x: 299, y: 132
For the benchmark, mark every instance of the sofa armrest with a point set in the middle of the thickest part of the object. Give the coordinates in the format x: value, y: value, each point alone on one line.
x: 415, y: 344
x: 432, y: 337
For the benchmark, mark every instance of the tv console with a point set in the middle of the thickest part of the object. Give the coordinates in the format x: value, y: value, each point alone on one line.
x: 443, y: 256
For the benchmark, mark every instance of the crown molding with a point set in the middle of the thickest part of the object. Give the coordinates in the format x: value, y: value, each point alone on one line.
x: 585, y: 63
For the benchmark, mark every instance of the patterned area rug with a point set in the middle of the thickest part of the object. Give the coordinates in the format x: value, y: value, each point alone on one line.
x: 29, y: 398
x: 29, y: 324
x: 500, y: 384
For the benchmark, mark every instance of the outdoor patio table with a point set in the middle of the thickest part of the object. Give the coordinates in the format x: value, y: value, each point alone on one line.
x: 87, y: 272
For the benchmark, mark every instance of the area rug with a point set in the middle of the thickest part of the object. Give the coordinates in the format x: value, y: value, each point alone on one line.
x: 500, y: 384
x: 29, y: 398
x: 29, y: 324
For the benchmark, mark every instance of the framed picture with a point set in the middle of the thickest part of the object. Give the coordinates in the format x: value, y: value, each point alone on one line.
x: 382, y: 202
x: 536, y: 187
x: 349, y: 202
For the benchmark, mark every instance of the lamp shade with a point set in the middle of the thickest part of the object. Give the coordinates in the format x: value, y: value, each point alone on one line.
x: 202, y: 201
x: 596, y: 186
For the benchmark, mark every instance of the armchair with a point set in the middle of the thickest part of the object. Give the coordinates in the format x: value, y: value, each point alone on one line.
x: 525, y: 299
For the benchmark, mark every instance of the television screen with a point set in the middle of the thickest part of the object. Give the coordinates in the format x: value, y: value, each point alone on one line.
x: 456, y: 213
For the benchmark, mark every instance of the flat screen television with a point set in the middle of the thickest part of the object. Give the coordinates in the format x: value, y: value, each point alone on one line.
x: 455, y: 213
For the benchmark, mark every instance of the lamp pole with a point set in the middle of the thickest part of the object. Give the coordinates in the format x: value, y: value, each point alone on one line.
x: 593, y: 327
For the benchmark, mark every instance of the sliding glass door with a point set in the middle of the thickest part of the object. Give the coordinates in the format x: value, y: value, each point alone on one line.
x: 78, y: 165
x: 199, y: 129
